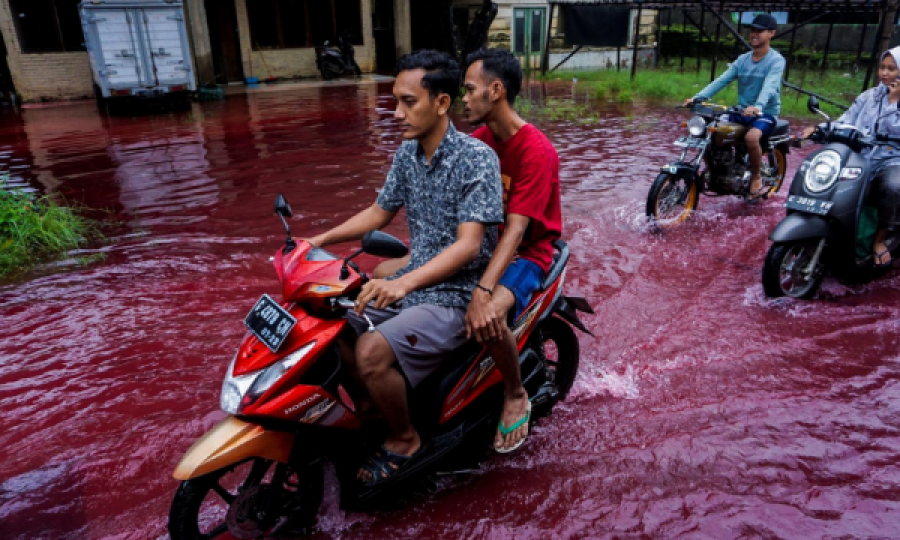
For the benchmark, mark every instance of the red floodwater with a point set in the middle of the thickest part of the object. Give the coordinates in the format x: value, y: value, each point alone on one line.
x: 701, y: 410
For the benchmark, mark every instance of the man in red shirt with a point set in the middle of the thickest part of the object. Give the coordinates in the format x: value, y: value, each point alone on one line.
x: 529, y: 167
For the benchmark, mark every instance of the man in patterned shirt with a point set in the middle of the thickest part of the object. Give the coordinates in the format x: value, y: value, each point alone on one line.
x: 450, y: 186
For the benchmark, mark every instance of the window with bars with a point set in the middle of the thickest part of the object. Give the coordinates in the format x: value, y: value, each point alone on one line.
x: 293, y: 24
x: 47, y: 25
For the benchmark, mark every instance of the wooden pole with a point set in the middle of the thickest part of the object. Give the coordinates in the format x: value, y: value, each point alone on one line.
x: 683, y: 32
x: 790, y: 58
x: 700, y: 48
x: 862, y: 41
x: 827, y: 48
x: 637, y: 40
x: 712, y: 71
x: 545, y: 59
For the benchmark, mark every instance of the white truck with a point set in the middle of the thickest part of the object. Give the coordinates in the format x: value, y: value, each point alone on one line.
x: 138, y: 49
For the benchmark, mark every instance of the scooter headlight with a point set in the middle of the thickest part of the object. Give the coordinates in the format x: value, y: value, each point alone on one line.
x: 274, y: 372
x: 823, y: 171
x: 696, y: 126
x: 234, y: 388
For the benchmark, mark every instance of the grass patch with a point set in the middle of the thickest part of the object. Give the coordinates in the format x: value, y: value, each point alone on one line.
x: 35, y: 228
x: 671, y: 85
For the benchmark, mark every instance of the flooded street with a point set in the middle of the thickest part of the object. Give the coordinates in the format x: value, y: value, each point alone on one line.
x: 702, y: 409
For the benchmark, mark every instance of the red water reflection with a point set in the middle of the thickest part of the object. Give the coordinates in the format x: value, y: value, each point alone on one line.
x: 702, y: 409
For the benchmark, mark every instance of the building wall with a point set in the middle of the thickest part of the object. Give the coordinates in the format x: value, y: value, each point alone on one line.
x: 500, y: 36
x: 44, y: 76
x: 55, y: 76
x: 290, y: 63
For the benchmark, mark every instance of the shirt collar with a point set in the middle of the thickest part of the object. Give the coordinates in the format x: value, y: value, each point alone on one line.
x: 447, y: 146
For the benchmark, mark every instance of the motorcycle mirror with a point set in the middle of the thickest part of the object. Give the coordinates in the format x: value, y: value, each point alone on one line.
x: 282, y: 208
x: 382, y: 244
x: 813, y: 104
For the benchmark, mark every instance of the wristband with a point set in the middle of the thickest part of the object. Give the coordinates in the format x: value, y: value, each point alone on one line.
x: 485, y: 289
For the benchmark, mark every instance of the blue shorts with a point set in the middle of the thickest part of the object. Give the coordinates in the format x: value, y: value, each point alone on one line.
x: 522, y: 277
x: 764, y: 122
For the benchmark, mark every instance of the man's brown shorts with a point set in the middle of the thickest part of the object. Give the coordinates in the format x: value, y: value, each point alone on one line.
x: 422, y: 337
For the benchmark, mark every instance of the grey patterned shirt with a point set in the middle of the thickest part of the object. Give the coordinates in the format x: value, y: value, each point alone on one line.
x: 462, y: 184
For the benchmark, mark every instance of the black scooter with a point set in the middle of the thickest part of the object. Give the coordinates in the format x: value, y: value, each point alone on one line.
x: 334, y: 61
x: 828, y: 225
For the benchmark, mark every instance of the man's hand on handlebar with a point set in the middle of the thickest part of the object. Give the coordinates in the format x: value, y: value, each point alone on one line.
x: 752, y: 111
x: 688, y: 102
x: 381, y: 293
x: 807, y: 133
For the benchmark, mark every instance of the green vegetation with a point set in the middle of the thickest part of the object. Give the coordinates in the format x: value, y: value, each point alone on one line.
x: 671, y: 86
x: 34, y: 228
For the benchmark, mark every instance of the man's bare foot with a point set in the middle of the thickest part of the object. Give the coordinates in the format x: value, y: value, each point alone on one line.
x: 389, y: 464
x: 882, y: 254
x: 514, y: 410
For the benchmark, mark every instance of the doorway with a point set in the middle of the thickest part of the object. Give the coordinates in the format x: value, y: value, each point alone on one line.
x: 383, y: 31
x: 528, y: 35
x: 221, y: 17
x: 7, y: 89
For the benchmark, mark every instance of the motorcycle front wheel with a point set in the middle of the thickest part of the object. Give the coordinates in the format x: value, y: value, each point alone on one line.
x: 226, y: 503
x: 561, y: 352
x: 672, y: 199
x: 786, y: 272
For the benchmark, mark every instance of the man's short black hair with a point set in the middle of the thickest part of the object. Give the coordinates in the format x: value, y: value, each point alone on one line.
x: 441, y: 71
x: 500, y: 64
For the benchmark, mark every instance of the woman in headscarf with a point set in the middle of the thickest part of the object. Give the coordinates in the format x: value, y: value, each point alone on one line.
x: 876, y: 108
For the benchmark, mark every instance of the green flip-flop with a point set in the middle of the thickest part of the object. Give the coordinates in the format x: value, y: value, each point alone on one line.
x: 505, y: 431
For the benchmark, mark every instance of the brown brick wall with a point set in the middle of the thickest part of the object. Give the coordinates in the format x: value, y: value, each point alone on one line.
x: 44, y: 76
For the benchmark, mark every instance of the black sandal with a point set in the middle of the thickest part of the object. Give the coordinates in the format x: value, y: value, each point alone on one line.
x: 382, y: 466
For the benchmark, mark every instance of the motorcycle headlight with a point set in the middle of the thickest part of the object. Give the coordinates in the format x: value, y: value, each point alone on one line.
x: 696, y: 126
x: 275, y: 371
x: 823, y: 171
x: 234, y: 388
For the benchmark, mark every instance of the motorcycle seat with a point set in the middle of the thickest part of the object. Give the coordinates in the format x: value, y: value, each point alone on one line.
x: 560, y: 259
x: 781, y: 127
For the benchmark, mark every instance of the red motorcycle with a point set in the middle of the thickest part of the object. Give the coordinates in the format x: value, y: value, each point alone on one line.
x: 260, y: 471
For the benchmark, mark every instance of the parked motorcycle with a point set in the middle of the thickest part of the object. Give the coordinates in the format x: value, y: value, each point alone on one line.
x: 336, y: 60
x: 720, y: 166
x: 828, y: 226
x: 260, y: 470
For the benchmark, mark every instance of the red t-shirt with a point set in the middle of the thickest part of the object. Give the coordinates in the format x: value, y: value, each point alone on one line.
x: 529, y: 168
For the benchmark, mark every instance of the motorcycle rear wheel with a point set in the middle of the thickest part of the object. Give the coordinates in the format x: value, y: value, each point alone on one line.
x: 189, y: 517
x: 672, y: 199
x: 782, y: 271
x: 561, y: 352
x: 331, y: 71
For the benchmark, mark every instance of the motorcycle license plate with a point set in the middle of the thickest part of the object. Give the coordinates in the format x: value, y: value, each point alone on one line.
x: 269, y: 322
x: 691, y: 142
x: 808, y: 205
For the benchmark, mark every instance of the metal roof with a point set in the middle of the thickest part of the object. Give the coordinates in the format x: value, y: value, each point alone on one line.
x: 742, y: 5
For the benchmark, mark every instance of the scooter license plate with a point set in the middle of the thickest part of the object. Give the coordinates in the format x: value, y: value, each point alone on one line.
x: 269, y: 322
x: 691, y: 142
x: 808, y: 205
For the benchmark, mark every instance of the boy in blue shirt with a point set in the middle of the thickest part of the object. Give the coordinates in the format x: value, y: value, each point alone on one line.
x: 759, y: 74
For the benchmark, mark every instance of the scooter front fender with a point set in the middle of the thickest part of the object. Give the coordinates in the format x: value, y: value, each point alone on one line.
x: 802, y: 227
x: 229, y: 442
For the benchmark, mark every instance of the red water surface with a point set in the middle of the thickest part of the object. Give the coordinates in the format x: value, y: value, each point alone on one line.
x: 702, y: 409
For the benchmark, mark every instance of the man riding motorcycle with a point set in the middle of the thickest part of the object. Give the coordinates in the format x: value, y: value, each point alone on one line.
x: 875, y: 111
x: 450, y: 186
x: 759, y: 73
